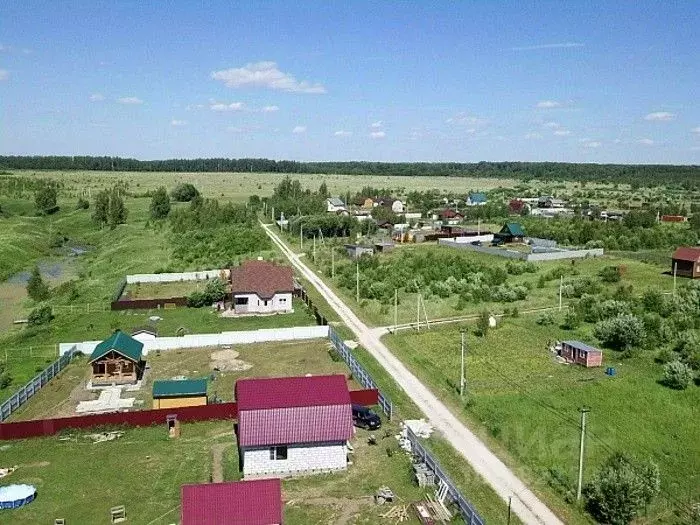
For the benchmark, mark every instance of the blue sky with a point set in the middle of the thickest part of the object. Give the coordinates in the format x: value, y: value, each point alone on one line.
x: 409, y: 81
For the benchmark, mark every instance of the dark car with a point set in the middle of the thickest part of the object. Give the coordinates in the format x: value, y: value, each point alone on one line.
x: 363, y: 417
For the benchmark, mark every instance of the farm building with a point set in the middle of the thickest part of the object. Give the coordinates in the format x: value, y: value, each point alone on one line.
x: 117, y: 360
x: 368, y: 203
x: 511, y: 232
x: 383, y: 246
x: 686, y: 262
x: 335, y: 205
x: 355, y: 251
x: 256, y: 502
x: 179, y: 393
x: 395, y: 205
x: 293, y: 425
x: 581, y: 354
x: 476, y: 199
x: 261, y: 287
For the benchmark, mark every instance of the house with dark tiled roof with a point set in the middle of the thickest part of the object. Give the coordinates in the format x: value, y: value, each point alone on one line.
x: 686, y: 262
x: 293, y: 425
x: 117, y: 360
x: 255, y: 502
x: 261, y: 287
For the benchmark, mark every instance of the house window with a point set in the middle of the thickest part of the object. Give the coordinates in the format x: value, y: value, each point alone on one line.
x: 241, y: 301
x: 265, y: 302
x: 283, y: 300
x: 278, y: 453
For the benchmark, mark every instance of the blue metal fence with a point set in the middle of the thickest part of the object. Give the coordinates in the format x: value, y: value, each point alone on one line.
x: 32, y: 387
x: 469, y: 514
x: 358, y: 372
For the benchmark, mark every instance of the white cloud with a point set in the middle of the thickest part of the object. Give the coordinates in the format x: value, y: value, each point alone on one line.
x: 587, y: 143
x: 646, y: 142
x: 270, y: 109
x: 558, y: 45
x: 551, y: 125
x: 376, y: 125
x: 377, y: 134
x: 562, y: 132
x: 233, y: 106
x: 299, y: 129
x: 4, y: 74
x: 549, y: 104
x: 265, y: 74
x: 660, y: 116
x: 177, y: 123
x: 130, y: 100
x: 533, y: 136
x: 191, y: 107
x: 696, y: 130
x: 97, y: 97
x: 465, y: 118
x: 342, y: 133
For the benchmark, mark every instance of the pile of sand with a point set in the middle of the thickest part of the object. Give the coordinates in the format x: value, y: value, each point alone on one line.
x: 227, y: 361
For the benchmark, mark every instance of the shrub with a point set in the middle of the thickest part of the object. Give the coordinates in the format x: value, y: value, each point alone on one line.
x: 621, y: 332
x: 198, y: 300
x: 37, y: 289
x: 184, y: 192
x: 160, y: 204
x: 610, y: 274
x: 45, y: 199
x: 677, y: 375
x: 545, y: 319
x: 39, y: 316
x: 5, y: 380
x: 82, y: 204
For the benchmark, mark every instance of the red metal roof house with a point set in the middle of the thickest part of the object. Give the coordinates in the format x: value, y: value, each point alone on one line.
x: 686, y: 262
x: 293, y: 425
x: 581, y: 354
x: 257, y: 502
x: 261, y: 287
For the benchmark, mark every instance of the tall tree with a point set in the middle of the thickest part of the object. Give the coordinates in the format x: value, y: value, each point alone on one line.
x: 160, y: 204
x: 45, y: 199
x: 117, y: 210
x: 37, y: 289
x: 323, y: 190
x: 101, y: 208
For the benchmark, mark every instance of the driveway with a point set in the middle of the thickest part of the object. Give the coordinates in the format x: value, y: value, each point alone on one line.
x: 525, y: 504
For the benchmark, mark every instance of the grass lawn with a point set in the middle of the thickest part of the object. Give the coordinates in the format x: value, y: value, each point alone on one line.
x: 525, y: 405
x: 162, y: 290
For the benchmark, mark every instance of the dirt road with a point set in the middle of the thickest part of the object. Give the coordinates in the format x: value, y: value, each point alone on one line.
x: 525, y: 504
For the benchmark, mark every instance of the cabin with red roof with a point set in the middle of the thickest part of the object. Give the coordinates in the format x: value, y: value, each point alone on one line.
x: 257, y: 502
x: 261, y: 287
x: 686, y: 262
x: 293, y: 425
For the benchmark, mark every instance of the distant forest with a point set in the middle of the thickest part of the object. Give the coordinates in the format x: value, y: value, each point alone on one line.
x: 687, y: 177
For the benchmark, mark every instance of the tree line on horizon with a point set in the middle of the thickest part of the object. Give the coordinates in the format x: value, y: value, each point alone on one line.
x: 686, y: 176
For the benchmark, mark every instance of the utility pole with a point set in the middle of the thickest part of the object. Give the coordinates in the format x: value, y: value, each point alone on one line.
x: 462, y: 379
x: 273, y: 214
x: 478, y: 226
x: 314, y: 250
x: 332, y: 263
x: 418, y: 312
x: 396, y: 308
x: 561, y: 285
x: 675, y: 271
x: 301, y: 237
x: 510, y: 500
x: 357, y: 282
x: 584, y: 411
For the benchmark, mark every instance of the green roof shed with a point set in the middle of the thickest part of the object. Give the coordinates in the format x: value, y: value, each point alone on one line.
x: 120, y: 343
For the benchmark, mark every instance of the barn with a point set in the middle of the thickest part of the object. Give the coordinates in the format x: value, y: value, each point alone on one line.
x: 256, y: 502
x: 117, y: 360
x: 293, y: 425
x: 261, y: 287
x: 581, y: 354
x: 179, y: 393
x: 686, y: 262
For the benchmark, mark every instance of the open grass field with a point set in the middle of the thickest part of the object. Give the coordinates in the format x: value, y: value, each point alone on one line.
x: 240, y: 186
x: 525, y: 405
x: 162, y: 290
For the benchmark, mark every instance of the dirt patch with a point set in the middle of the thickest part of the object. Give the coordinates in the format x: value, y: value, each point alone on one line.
x: 227, y: 361
x: 346, y: 508
x: 37, y: 464
x: 217, y: 466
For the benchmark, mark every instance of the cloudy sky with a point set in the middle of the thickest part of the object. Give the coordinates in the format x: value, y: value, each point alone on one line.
x: 412, y: 81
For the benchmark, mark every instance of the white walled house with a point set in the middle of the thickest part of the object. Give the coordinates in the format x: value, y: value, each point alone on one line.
x: 261, y: 287
x: 335, y: 205
x: 293, y: 425
x: 398, y: 207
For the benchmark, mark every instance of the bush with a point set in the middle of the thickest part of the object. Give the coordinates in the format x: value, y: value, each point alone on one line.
x: 184, y: 192
x: 39, y: 316
x: 160, y: 204
x: 545, y: 319
x: 677, y: 375
x: 198, y: 300
x: 622, y: 332
x: 5, y: 380
x: 37, y: 289
x: 610, y: 274
x: 45, y: 199
x: 621, y: 488
x: 82, y: 204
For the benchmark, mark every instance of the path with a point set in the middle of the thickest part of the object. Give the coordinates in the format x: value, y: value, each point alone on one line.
x: 217, y: 465
x: 505, y: 483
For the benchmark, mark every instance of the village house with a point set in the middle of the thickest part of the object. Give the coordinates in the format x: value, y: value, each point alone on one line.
x: 450, y: 216
x: 117, y: 360
x: 511, y: 232
x: 476, y: 199
x: 581, y: 354
x: 254, y: 502
x: 368, y: 203
x: 547, y: 201
x: 179, y: 393
x: 261, y: 287
x: 355, y: 251
x: 293, y: 425
x: 335, y: 205
x: 395, y: 205
x: 144, y: 333
x: 686, y: 262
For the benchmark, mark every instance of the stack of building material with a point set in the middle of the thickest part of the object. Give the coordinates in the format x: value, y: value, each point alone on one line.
x: 424, y: 476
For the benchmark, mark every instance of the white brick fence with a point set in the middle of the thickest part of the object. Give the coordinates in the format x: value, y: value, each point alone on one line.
x: 175, y: 277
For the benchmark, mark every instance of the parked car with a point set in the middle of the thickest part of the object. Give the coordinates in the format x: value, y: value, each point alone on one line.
x: 363, y: 417
x: 476, y: 243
